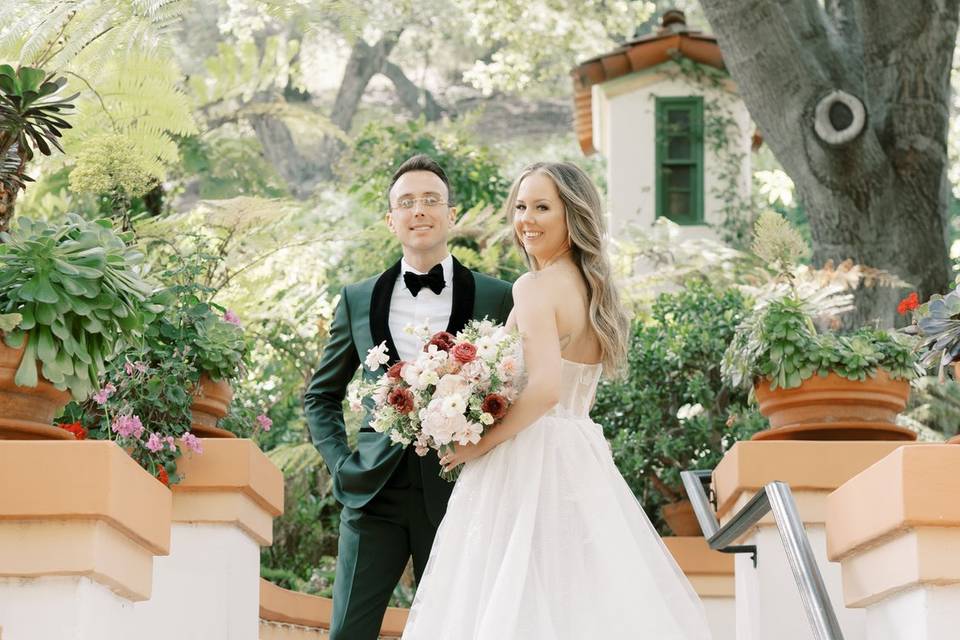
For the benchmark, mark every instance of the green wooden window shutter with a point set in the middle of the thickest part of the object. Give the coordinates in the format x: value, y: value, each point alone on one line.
x: 679, y: 182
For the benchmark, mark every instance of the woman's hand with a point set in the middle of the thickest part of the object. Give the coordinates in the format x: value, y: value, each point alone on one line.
x: 461, y: 453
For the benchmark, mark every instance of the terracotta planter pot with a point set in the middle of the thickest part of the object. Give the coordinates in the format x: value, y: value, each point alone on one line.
x: 26, y: 413
x: 834, y: 408
x: 209, y: 405
x: 681, y: 519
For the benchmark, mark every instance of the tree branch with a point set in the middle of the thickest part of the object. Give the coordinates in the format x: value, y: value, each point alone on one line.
x: 410, y: 94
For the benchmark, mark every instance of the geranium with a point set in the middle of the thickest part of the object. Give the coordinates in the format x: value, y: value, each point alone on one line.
x: 75, y: 428
x: 264, y: 422
x: 192, y: 442
x: 908, y: 304
x: 127, y: 426
x: 163, y: 476
x: 232, y: 318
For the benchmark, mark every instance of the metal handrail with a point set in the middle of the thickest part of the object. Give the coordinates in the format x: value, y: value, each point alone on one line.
x: 777, y: 498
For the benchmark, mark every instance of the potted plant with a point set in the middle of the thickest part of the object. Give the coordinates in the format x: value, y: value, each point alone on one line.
x: 689, y: 417
x: 810, y: 383
x: 31, y: 116
x: 80, y: 301
x: 937, y: 323
x: 221, y: 351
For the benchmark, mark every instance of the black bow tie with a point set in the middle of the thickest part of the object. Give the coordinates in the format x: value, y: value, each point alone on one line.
x: 432, y: 280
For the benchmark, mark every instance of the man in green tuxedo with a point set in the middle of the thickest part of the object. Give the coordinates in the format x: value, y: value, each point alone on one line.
x: 393, y: 500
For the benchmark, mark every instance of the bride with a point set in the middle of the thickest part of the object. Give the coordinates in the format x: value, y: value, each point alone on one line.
x: 542, y: 539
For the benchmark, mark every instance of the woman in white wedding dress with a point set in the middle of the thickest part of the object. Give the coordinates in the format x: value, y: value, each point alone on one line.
x: 542, y: 539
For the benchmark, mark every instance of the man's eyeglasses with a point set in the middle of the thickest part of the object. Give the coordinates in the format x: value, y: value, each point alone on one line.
x: 428, y: 202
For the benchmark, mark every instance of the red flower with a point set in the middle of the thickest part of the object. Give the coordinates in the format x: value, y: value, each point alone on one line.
x: 464, y: 352
x: 394, y: 371
x: 909, y: 303
x: 443, y: 340
x: 495, y: 404
x: 75, y: 428
x: 401, y: 399
x: 163, y: 477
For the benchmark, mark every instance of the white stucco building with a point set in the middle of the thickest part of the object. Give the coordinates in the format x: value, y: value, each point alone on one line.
x: 676, y: 136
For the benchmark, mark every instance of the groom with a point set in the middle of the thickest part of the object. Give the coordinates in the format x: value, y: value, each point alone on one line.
x: 393, y: 500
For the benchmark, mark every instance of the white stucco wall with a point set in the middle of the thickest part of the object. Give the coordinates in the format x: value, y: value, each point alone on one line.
x: 624, y: 114
x: 208, y: 588
x: 767, y: 599
x: 63, y: 608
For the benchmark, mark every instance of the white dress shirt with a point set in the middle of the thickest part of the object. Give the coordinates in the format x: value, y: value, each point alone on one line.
x: 426, y: 307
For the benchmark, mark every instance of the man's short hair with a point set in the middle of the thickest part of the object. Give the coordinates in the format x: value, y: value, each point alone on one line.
x: 420, y: 162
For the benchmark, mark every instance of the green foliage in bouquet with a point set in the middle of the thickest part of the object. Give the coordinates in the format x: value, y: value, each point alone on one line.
x: 672, y: 411
x: 80, y: 296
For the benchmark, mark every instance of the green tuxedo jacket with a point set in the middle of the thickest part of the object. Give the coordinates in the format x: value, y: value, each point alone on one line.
x: 360, y: 322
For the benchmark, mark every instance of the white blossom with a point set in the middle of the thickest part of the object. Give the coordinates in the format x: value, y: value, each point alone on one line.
x: 377, y: 356
x: 688, y: 411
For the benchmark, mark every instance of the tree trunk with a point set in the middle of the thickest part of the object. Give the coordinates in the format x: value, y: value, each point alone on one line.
x: 365, y: 62
x: 410, y: 94
x: 879, y: 197
x: 280, y: 150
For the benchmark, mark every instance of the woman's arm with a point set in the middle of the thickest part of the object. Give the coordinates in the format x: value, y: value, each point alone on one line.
x: 535, y: 314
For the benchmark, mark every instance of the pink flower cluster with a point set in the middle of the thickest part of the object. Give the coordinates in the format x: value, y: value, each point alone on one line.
x: 138, y: 366
x: 128, y: 426
x: 101, y: 396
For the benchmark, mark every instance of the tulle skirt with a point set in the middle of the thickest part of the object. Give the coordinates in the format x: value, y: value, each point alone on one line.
x: 543, y: 540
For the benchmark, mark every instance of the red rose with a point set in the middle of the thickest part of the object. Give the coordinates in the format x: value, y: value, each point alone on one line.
x: 464, y: 352
x: 495, y: 404
x: 443, y: 340
x: 394, y: 371
x: 401, y: 399
x: 76, y: 429
x: 163, y: 477
x: 909, y: 303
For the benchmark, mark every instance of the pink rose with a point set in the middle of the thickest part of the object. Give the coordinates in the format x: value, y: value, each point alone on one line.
x: 464, y: 352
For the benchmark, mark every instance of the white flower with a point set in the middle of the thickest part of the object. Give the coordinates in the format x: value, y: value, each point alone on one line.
x: 410, y: 374
x: 377, y: 356
x: 487, y: 348
x: 453, y: 405
x: 689, y: 411
x: 433, y: 358
x: 397, y: 438
x: 486, y: 419
x: 426, y: 379
x: 477, y: 372
x: 381, y: 391
x: 508, y: 367
x: 469, y: 434
x: 486, y: 327
x: 450, y: 384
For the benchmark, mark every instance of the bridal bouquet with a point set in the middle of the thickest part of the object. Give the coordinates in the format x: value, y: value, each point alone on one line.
x: 456, y: 388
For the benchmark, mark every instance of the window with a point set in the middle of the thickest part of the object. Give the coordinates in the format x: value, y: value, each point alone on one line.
x: 680, y: 159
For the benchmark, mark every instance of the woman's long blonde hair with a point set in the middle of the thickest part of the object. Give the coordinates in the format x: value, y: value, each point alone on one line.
x: 586, y: 229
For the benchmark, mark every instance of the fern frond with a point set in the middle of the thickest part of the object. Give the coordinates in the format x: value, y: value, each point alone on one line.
x: 296, y: 459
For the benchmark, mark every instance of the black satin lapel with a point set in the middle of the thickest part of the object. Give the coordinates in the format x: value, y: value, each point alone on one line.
x: 464, y: 292
x: 380, y: 310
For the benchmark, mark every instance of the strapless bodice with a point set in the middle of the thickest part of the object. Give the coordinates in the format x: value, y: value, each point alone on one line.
x: 578, y: 384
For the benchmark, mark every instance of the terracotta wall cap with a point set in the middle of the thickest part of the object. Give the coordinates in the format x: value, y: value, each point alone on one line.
x: 804, y: 465
x: 233, y: 465
x: 914, y: 486
x: 91, y: 480
x: 283, y: 605
x: 695, y: 556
